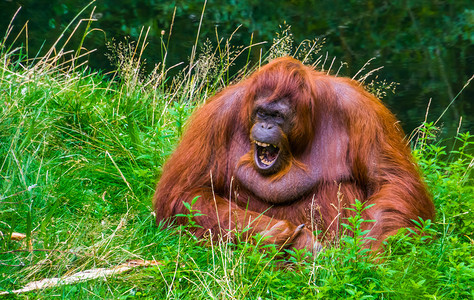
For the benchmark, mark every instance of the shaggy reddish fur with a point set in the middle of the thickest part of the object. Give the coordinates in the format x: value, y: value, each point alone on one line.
x: 345, y: 145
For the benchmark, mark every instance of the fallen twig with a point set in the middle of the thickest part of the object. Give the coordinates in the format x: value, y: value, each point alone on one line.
x: 83, y: 276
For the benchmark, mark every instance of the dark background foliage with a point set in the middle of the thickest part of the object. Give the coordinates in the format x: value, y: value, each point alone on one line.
x: 425, y: 46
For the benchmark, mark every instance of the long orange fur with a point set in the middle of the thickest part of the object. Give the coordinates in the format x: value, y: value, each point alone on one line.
x: 352, y: 144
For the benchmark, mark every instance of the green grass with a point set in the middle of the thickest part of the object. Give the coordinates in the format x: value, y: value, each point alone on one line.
x: 80, y: 154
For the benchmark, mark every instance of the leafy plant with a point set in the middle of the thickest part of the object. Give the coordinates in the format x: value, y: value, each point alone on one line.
x: 448, y: 173
x: 192, y: 213
x: 355, y: 238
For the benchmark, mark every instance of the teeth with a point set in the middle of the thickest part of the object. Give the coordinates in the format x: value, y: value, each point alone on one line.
x: 265, y: 161
x: 262, y: 144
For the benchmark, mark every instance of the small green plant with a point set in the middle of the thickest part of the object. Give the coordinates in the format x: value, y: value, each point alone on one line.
x: 423, y: 232
x: 180, y: 112
x: 448, y: 173
x: 192, y: 213
x: 356, y: 238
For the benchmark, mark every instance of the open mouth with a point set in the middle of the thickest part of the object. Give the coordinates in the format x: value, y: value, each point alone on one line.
x: 265, y: 154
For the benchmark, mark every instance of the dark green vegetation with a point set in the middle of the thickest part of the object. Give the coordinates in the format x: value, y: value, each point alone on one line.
x: 425, y: 45
x: 79, y: 158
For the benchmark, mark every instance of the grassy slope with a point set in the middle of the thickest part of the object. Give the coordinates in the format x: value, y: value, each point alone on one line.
x: 79, y: 158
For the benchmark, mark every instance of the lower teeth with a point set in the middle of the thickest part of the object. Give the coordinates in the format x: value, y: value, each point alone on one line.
x: 262, y: 159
